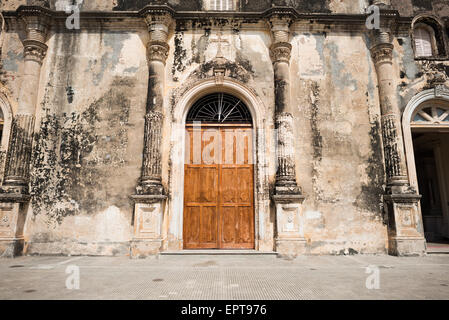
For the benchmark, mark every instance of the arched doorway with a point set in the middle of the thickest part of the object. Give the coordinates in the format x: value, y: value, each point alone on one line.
x: 219, y: 174
x: 5, y: 127
x: 426, y: 133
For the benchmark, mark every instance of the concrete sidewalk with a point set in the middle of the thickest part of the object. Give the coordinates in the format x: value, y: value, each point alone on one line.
x: 225, y: 277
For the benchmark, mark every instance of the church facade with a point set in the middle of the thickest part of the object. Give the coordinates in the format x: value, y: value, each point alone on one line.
x: 297, y: 127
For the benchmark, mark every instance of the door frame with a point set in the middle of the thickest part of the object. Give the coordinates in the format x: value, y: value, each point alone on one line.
x: 437, y: 94
x: 219, y: 207
x: 263, y: 156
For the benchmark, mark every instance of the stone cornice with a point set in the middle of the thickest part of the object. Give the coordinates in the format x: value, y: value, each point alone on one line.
x: 284, y: 12
x: 126, y: 20
x: 24, y: 11
x: 157, y: 10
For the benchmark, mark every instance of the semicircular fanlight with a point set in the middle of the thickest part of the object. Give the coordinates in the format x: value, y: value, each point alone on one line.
x: 219, y: 108
x: 431, y: 115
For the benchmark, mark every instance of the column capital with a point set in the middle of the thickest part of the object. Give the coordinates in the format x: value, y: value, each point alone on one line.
x: 157, y: 51
x: 34, y: 50
x: 382, y: 53
x: 158, y: 20
x: 281, y: 52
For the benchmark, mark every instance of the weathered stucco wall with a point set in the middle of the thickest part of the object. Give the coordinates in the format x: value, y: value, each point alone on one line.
x: 405, y: 7
x: 339, y: 165
x: 88, y: 146
x: 89, y: 129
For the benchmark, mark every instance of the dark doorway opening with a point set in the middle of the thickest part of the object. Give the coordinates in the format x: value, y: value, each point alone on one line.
x: 432, y: 167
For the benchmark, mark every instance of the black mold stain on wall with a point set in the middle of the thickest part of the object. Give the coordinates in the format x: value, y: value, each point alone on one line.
x: 317, y: 138
x: 255, y: 6
x: 242, y: 5
x: 307, y: 5
x: 76, y: 154
x: 199, y: 48
x: 370, y: 197
x: 180, y: 54
x: 234, y: 71
x: 419, y: 5
x: 129, y: 5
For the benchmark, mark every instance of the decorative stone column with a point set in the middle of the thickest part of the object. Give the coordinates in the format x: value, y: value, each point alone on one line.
x: 150, y: 197
x: 14, y: 192
x: 401, y: 200
x: 287, y: 195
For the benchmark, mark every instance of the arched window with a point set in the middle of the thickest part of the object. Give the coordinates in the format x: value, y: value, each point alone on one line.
x: 431, y: 114
x: 2, y: 123
x: 219, y: 108
x: 220, y: 5
x: 429, y: 39
x: 423, y: 41
x: 5, y: 128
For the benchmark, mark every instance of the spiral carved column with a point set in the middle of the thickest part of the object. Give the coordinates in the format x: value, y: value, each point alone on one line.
x: 20, y: 147
x: 149, y: 200
x: 401, y: 200
x: 287, y: 195
x: 14, y: 195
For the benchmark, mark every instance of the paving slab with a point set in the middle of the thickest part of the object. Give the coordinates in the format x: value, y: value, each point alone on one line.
x: 251, y: 277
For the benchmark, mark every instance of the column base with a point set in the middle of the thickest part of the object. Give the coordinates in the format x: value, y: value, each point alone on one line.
x: 407, y: 246
x: 11, y: 248
x: 143, y: 248
x: 290, y: 241
x: 404, y: 225
x: 148, y: 214
x: 12, y: 221
x: 290, y: 247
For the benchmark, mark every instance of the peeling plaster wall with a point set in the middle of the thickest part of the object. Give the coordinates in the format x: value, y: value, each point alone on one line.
x: 88, y: 143
x: 339, y: 163
x: 405, y: 7
x: 334, y: 92
x: 12, y: 58
x: 413, y: 7
x: 325, y: 6
x: 90, y: 122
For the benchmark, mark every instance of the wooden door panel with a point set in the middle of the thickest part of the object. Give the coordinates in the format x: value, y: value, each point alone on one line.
x: 192, y: 226
x: 208, y: 185
x: 201, y: 184
x: 192, y: 183
x: 228, y: 223
x: 244, y: 177
x: 246, y: 223
x: 209, y: 226
x: 228, y: 185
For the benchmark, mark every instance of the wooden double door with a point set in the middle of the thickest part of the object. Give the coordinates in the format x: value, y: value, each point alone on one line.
x: 218, y: 188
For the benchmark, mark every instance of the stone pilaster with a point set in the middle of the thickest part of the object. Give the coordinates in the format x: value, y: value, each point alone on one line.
x: 36, y: 21
x: 19, y: 152
x: 2, y: 39
x: 14, y: 192
x: 287, y: 195
x: 280, y: 53
x: 158, y: 21
x: 150, y: 197
x: 401, y: 200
